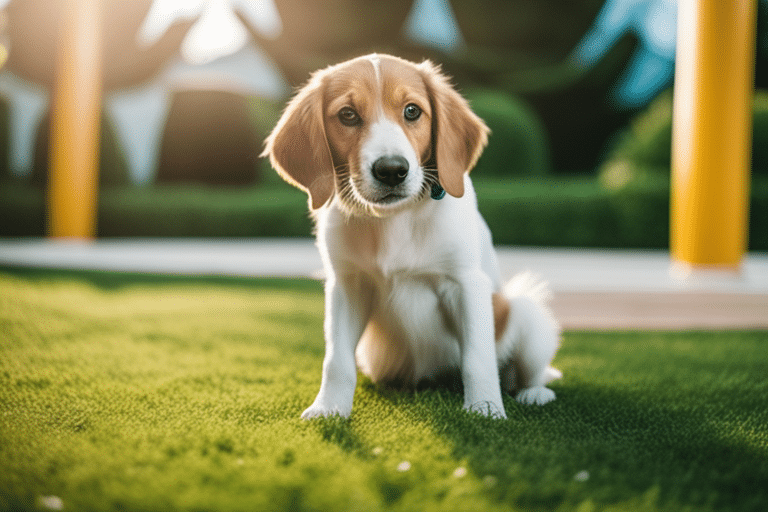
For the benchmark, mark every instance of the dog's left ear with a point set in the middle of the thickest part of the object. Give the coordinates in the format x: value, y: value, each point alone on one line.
x: 458, y: 135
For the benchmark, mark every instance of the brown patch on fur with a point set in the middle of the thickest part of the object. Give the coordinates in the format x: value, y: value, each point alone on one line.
x: 501, y: 310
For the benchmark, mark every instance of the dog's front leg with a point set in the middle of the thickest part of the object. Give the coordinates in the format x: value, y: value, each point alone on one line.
x: 479, y: 369
x: 347, y: 309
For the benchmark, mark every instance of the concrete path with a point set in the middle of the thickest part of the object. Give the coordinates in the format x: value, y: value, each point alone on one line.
x: 593, y: 289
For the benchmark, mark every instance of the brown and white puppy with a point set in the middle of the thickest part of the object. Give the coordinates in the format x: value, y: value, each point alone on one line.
x: 413, y: 288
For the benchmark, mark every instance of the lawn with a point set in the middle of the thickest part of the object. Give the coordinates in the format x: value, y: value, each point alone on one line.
x: 133, y: 393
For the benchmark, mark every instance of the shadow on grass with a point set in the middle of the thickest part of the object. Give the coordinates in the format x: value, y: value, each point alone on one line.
x: 611, y: 447
x: 679, y: 424
x: 341, y: 432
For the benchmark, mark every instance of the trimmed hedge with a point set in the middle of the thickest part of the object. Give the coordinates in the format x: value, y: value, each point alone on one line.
x: 565, y: 212
x: 643, y: 150
x: 171, y: 211
x: 518, y: 145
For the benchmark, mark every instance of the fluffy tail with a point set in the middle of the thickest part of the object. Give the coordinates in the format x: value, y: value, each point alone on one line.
x: 530, y: 340
x: 527, y: 284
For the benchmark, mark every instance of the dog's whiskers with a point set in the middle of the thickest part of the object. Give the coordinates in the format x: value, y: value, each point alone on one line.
x: 430, y: 180
x: 348, y: 185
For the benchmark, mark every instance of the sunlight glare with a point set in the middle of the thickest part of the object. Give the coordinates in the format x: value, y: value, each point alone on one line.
x: 165, y: 13
x: 217, y: 33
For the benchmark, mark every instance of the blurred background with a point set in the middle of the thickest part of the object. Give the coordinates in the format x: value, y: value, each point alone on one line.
x: 577, y: 94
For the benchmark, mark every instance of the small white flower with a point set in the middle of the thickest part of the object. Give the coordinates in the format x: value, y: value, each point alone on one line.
x: 581, y: 476
x: 460, y: 472
x: 50, y: 503
x: 404, y: 466
x: 377, y: 451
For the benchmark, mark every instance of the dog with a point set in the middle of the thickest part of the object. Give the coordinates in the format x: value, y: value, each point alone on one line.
x: 383, y: 148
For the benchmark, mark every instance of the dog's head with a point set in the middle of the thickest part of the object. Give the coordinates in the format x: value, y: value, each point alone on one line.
x: 377, y: 131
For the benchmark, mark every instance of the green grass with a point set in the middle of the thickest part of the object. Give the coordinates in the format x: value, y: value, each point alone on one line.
x: 125, y: 392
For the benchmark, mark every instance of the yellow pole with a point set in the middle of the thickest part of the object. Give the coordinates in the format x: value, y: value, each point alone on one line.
x: 712, y: 133
x: 75, y: 116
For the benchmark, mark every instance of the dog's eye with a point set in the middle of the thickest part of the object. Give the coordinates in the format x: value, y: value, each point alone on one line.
x: 349, y: 117
x: 411, y: 112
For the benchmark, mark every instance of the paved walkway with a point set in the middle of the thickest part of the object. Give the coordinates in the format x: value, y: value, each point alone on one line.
x: 593, y: 289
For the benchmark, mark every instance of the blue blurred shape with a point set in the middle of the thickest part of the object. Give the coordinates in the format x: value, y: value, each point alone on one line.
x: 652, y: 66
x: 433, y: 24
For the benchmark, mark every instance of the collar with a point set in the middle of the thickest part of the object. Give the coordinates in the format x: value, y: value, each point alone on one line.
x: 438, y: 192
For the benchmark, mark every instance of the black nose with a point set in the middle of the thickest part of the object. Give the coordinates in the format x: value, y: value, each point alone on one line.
x: 390, y: 170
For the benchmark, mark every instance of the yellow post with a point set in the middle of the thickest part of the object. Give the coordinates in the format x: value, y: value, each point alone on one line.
x: 712, y: 133
x: 75, y: 116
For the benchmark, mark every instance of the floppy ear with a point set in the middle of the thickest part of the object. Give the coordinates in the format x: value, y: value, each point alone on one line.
x: 298, y: 148
x: 458, y: 135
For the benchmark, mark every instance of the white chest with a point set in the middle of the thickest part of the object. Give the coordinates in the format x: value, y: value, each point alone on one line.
x: 391, y: 248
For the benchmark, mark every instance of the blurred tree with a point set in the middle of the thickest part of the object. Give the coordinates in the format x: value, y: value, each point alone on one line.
x: 316, y: 34
x: 33, y: 33
x: 5, y: 140
x: 761, y: 54
x: 209, y: 138
x: 112, y: 165
x: 518, y: 145
x: 641, y: 153
x: 523, y: 49
x: 533, y: 32
x: 141, y: 39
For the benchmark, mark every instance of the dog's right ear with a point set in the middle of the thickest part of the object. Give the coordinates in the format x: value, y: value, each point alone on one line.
x: 298, y: 147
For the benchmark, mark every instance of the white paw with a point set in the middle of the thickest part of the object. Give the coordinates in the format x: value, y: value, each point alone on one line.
x: 321, y: 411
x: 535, y: 396
x: 487, y: 409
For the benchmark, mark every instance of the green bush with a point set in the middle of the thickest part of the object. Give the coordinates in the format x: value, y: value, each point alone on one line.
x: 637, y: 174
x: 5, y: 130
x: 643, y: 151
x: 171, y: 211
x: 760, y: 134
x: 565, y: 212
x: 113, y: 166
x: 518, y: 145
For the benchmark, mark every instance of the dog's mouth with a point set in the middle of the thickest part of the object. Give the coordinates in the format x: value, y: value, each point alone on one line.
x: 358, y: 197
x: 390, y: 198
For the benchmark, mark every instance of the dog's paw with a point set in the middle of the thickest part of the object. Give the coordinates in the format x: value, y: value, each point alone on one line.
x: 321, y: 411
x: 539, y: 395
x: 487, y: 409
